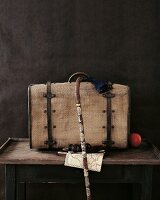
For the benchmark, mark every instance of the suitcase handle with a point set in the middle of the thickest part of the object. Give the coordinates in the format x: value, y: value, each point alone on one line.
x: 77, y: 74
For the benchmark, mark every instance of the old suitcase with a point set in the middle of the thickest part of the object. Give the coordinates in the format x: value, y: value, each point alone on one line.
x: 53, y: 118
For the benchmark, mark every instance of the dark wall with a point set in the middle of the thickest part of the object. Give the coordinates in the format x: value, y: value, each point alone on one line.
x: 44, y: 40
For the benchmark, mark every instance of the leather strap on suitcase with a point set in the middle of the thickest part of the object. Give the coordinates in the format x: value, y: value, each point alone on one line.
x: 49, y: 96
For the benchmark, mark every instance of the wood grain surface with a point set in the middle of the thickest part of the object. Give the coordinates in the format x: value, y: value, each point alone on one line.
x: 17, y: 151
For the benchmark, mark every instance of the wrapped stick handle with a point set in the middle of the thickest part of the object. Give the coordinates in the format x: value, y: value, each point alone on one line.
x: 78, y: 74
x: 82, y: 138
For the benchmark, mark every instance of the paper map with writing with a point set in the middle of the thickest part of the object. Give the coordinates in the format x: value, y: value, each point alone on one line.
x: 76, y: 160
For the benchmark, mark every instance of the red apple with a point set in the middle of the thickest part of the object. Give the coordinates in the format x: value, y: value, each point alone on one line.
x: 135, y: 140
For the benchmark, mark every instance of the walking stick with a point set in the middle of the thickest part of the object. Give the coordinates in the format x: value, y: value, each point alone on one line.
x: 82, y: 138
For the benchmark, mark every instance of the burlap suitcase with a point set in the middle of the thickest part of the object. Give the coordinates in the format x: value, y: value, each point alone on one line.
x: 53, y: 118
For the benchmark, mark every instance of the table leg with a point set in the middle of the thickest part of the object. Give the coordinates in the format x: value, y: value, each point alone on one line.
x: 146, y: 193
x: 10, y: 186
x: 135, y: 191
x: 21, y: 191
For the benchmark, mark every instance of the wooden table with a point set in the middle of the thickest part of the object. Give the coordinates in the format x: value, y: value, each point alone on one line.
x: 24, y: 166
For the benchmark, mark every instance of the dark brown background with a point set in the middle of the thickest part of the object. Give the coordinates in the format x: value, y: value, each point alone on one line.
x: 44, y: 40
